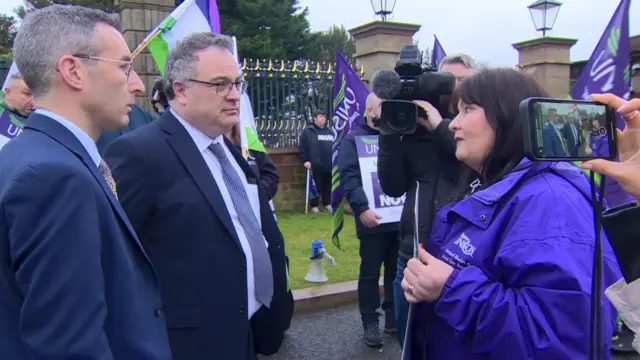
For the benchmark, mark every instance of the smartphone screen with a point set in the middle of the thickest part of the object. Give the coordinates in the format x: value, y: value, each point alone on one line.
x: 571, y: 130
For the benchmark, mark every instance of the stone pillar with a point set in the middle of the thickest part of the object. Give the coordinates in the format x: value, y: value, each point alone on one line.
x: 548, y: 60
x: 378, y: 44
x: 138, y: 18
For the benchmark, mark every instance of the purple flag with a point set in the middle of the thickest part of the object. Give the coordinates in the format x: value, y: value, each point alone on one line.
x: 349, y: 106
x: 608, y: 72
x: 437, y: 54
x: 210, y: 8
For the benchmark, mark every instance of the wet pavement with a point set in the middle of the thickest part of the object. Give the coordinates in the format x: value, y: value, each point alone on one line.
x: 336, y: 334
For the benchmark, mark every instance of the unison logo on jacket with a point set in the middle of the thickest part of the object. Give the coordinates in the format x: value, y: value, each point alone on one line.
x: 325, y: 137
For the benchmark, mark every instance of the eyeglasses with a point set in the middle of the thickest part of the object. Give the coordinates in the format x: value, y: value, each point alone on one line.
x: 125, y: 65
x: 223, y: 88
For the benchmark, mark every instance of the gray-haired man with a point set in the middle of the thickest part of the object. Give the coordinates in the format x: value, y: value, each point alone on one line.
x: 15, y: 108
x: 199, y: 210
x: 75, y: 282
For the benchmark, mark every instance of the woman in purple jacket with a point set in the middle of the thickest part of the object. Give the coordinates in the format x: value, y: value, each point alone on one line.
x: 506, y: 273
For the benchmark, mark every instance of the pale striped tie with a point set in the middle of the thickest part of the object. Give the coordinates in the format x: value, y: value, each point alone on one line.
x: 262, y: 270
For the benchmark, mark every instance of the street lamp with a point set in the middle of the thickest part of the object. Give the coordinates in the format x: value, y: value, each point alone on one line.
x: 383, y: 8
x: 544, y: 14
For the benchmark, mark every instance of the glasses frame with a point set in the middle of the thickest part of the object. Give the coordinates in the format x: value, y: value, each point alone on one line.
x: 224, y: 89
x: 121, y: 62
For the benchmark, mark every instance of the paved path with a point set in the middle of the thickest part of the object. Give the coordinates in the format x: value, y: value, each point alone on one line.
x: 336, y: 334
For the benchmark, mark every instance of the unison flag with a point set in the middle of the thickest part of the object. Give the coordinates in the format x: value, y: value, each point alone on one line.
x: 608, y: 72
x: 437, y: 54
x: 349, y: 105
x: 191, y: 16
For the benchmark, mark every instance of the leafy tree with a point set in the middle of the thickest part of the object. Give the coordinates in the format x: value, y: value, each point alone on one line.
x: 7, y: 33
x: 276, y: 29
x: 329, y: 42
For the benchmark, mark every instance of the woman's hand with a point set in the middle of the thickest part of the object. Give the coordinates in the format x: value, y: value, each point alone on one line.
x: 433, y: 116
x: 627, y: 171
x: 424, y: 279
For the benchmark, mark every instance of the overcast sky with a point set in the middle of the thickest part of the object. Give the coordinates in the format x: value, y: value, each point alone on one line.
x: 485, y: 29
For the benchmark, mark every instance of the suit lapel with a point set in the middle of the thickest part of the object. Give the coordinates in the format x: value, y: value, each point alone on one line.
x: 188, y: 153
x: 66, y: 138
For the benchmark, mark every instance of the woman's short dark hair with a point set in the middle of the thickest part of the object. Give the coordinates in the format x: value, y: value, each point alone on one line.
x: 499, y: 91
x: 158, y: 86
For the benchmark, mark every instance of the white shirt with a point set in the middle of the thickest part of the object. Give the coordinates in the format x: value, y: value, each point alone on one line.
x: 86, y: 141
x: 202, y: 142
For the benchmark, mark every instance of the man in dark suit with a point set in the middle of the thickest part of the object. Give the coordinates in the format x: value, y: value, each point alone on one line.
x: 138, y: 117
x: 573, y: 136
x: 196, y: 204
x: 553, y: 143
x: 75, y: 282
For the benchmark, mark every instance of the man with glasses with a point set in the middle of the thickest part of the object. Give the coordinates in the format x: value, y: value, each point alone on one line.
x: 197, y: 206
x: 75, y: 282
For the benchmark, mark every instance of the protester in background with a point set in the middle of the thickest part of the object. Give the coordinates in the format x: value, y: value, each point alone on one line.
x: 14, y: 108
x: 261, y: 164
x: 75, y: 283
x: 138, y: 117
x: 378, y: 242
x: 197, y: 207
x: 507, y: 269
x: 621, y: 223
x: 18, y: 98
x: 159, y: 98
x: 427, y: 157
x: 316, y: 147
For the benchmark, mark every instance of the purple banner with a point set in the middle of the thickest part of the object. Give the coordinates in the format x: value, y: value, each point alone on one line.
x: 209, y: 9
x: 608, y: 72
x: 10, y: 125
x: 437, y: 54
x: 349, y: 98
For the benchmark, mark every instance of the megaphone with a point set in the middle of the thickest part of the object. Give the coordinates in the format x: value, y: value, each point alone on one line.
x: 316, y: 273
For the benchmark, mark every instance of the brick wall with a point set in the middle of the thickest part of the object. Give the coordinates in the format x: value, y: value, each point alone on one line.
x: 293, y: 179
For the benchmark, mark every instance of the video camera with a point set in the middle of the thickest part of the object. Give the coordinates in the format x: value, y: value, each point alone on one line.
x: 410, y: 81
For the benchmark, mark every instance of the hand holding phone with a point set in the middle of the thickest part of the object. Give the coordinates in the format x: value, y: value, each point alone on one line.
x: 568, y: 130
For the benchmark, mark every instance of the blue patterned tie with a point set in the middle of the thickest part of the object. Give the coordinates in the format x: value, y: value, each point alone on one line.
x: 262, y: 271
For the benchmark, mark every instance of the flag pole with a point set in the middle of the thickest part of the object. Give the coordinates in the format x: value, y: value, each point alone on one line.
x: 306, y: 198
x: 145, y: 43
x: 244, y: 143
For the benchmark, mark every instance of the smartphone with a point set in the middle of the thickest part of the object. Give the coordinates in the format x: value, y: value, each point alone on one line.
x: 567, y: 130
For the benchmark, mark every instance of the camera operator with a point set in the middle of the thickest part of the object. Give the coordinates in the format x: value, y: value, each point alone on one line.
x: 427, y: 157
x: 621, y: 224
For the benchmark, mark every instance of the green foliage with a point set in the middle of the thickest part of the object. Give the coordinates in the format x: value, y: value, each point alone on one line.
x: 7, y: 33
x: 329, y: 42
x: 267, y: 28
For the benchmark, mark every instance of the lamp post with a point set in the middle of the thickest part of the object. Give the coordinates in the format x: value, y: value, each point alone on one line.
x: 544, y: 14
x: 383, y: 8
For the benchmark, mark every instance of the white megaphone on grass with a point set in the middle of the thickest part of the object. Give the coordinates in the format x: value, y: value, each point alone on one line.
x: 316, y: 273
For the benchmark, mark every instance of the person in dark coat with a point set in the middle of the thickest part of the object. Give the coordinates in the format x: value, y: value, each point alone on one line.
x: 159, y: 98
x: 316, y: 147
x: 137, y: 117
x: 378, y: 242
x: 261, y: 164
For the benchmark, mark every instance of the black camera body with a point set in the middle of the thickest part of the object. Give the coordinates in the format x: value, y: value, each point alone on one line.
x: 410, y: 82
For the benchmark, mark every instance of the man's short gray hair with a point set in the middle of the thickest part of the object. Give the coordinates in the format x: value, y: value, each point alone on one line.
x: 462, y: 59
x: 181, y: 61
x: 47, y: 34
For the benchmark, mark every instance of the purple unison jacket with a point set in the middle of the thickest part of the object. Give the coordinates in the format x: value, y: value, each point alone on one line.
x: 522, y: 250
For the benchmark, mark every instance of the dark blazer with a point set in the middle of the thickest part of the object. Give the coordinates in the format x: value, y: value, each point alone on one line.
x: 75, y: 282
x: 138, y: 117
x: 176, y: 207
x: 571, y: 140
x: 552, y: 144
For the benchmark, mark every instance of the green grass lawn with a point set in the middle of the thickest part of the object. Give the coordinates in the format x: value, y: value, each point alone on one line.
x: 300, y: 229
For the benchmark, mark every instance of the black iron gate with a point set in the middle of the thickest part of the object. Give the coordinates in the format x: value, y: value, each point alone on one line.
x: 284, y: 95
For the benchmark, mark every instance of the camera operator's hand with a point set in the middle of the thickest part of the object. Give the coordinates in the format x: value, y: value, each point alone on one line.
x: 433, y: 116
x: 307, y: 165
x: 370, y: 219
x: 627, y: 171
